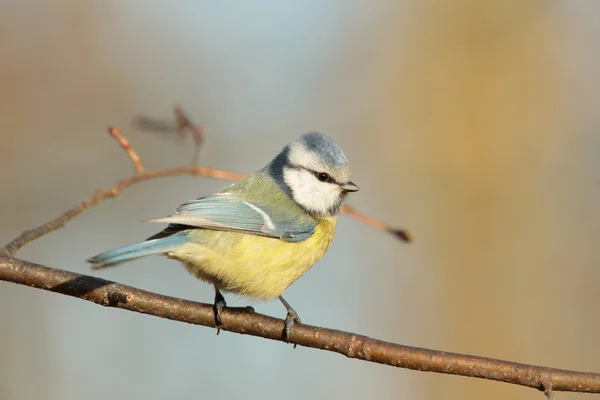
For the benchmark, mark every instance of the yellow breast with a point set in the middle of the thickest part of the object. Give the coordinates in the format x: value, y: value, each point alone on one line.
x: 252, y: 265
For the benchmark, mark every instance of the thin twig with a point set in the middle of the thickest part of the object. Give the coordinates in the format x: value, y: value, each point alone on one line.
x: 399, y: 233
x: 156, y: 125
x: 111, y: 294
x: 181, y: 125
x: 125, y: 145
x: 184, y: 123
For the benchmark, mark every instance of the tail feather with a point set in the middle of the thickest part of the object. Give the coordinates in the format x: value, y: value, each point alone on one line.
x: 156, y: 246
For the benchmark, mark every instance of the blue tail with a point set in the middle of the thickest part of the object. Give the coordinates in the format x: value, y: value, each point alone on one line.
x: 131, y: 252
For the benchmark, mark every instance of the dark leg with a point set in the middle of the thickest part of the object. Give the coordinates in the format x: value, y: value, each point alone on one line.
x: 220, y: 304
x: 291, y: 318
x: 217, y: 307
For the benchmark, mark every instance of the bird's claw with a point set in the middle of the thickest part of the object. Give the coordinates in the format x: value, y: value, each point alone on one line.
x: 217, y: 308
x: 218, y: 321
x: 290, y: 319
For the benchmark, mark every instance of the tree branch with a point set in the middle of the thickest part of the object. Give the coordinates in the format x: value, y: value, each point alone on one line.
x: 111, y: 294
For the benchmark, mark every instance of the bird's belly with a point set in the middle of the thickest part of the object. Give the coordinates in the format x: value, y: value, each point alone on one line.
x: 251, y: 265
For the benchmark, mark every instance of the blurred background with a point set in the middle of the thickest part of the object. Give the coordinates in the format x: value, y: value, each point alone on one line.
x: 472, y: 123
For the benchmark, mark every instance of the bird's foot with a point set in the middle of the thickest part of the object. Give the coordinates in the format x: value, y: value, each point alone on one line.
x: 217, y: 308
x: 220, y: 304
x: 290, y: 319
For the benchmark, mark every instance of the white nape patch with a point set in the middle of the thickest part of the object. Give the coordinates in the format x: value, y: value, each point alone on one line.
x: 312, y: 194
x: 267, y: 220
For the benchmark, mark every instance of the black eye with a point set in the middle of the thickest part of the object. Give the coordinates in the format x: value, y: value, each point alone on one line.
x: 323, y: 177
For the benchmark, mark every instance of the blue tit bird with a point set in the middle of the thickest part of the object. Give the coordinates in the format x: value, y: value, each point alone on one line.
x: 259, y: 235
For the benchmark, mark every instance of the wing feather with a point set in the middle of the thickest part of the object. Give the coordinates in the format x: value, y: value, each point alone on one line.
x: 224, y: 211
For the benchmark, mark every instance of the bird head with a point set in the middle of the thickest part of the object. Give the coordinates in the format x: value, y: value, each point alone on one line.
x: 314, y: 171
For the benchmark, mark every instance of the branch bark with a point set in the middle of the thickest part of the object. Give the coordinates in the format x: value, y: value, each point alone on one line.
x: 111, y: 294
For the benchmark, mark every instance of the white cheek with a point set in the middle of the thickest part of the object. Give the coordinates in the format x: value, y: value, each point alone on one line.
x: 310, y: 193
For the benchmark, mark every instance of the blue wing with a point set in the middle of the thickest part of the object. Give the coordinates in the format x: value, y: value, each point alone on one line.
x: 224, y: 211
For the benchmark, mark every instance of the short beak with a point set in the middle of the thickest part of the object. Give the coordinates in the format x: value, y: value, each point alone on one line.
x: 350, y: 187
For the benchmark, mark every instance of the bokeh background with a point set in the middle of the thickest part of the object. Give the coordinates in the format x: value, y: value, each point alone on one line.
x: 472, y: 123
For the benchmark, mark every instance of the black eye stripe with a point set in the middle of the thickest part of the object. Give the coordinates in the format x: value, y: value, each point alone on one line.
x: 329, y: 179
x: 323, y: 177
